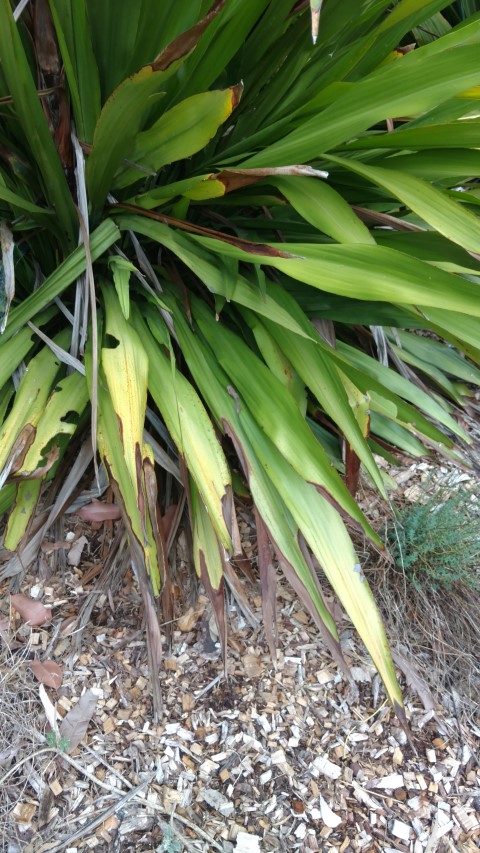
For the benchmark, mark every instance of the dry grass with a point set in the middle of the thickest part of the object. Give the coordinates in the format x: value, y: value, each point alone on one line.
x: 439, y: 631
x: 19, y: 722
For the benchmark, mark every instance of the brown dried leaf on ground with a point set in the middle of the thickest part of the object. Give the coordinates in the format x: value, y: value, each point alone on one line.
x: 33, y: 612
x: 47, y: 672
x: 75, y: 724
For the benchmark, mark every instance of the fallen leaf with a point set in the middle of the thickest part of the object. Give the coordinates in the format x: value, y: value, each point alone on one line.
x: 99, y: 511
x: 192, y: 615
x: 75, y: 553
x: 75, y: 724
x: 33, y: 612
x: 47, y: 672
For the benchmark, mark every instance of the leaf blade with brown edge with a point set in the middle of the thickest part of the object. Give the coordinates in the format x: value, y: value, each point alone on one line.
x: 191, y: 430
x: 122, y: 397
x: 209, y: 563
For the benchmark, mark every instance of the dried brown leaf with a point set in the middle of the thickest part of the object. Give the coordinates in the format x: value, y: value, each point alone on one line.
x: 191, y: 616
x: 268, y: 581
x: 47, y: 672
x: 186, y: 41
x: 74, y: 726
x: 32, y: 612
x: 99, y: 511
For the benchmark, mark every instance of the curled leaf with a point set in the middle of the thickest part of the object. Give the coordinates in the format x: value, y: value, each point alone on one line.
x: 33, y: 612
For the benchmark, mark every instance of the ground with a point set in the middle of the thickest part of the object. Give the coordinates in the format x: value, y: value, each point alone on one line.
x: 280, y: 756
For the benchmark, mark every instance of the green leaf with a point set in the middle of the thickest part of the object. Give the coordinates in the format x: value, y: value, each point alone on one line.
x: 324, y: 208
x: 366, y: 272
x: 437, y: 209
x: 21, y: 513
x: 459, y: 134
x: 60, y: 416
x: 118, y: 124
x: 193, y: 433
x: 19, y: 429
x: 210, y: 269
x: 435, y: 352
x: 101, y: 239
x: 121, y: 271
x: 327, y: 536
x: 18, y: 75
x: 73, y: 33
x: 122, y: 399
x: 391, y: 91
x: 180, y: 132
x: 273, y: 408
x: 41, y: 214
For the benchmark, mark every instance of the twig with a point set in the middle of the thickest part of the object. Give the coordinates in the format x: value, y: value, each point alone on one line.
x: 24, y: 761
x: 130, y: 795
x: 105, y: 763
x: 191, y: 826
x: 87, y: 774
x: 53, y: 638
x: 209, y: 686
x: 88, y: 827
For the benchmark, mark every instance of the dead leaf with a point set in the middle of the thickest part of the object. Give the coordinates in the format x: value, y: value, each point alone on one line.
x: 32, y: 612
x: 75, y: 553
x: 414, y: 681
x: 99, y: 511
x: 47, y: 672
x: 74, y: 726
x: 192, y: 615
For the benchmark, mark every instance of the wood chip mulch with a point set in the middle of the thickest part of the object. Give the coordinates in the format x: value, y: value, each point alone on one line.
x: 292, y: 757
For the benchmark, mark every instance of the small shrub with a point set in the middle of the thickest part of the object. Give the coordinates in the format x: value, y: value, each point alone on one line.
x: 437, y: 541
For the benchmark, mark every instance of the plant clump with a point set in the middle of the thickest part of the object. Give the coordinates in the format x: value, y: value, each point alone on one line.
x: 437, y: 541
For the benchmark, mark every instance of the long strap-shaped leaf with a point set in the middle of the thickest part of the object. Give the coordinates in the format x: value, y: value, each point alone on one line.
x: 29, y: 112
x: 317, y: 519
x: 122, y: 398
x: 192, y: 431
